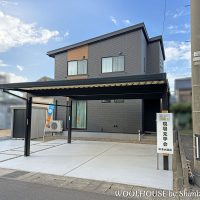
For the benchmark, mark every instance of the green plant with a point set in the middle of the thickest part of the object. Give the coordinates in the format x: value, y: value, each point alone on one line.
x: 181, y: 108
x: 182, y: 115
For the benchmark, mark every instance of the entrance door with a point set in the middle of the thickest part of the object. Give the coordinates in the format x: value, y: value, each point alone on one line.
x: 151, y: 107
x: 19, y: 123
x: 79, y: 114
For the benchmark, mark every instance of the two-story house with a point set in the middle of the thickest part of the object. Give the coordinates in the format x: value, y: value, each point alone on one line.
x: 125, y: 52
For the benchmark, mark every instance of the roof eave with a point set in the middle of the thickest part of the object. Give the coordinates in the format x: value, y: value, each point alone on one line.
x: 100, y: 38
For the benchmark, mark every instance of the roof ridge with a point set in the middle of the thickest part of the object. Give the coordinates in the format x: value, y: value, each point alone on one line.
x: 106, y: 36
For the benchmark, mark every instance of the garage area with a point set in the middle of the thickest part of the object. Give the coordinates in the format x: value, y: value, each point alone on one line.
x: 127, y: 163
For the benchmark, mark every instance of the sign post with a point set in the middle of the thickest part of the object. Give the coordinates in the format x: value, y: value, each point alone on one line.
x: 165, y: 137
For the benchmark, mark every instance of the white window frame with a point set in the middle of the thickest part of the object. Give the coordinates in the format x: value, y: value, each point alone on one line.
x: 113, y: 64
x: 77, y: 66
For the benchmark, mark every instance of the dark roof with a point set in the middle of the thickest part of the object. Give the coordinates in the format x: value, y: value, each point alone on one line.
x: 96, y: 88
x: 136, y: 27
x: 183, y: 83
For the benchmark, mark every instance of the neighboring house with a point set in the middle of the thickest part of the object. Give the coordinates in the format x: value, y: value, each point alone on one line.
x: 183, y: 90
x: 125, y: 52
x: 6, y: 101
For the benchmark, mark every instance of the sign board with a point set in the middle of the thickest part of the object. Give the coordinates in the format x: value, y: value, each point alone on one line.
x: 165, y: 133
x: 196, y: 53
x: 196, y: 58
x: 197, y: 143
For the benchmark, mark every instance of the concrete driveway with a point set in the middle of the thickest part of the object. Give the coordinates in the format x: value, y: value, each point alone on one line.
x: 133, y: 164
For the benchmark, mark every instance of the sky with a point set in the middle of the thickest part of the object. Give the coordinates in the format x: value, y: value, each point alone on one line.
x: 31, y: 28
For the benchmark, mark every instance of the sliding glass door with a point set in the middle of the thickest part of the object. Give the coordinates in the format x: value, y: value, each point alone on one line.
x: 79, y: 114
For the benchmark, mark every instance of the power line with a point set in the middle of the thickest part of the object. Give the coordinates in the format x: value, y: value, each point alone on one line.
x: 164, y: 16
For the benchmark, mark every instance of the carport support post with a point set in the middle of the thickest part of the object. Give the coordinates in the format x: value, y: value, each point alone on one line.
x: 56, y: 109
x: 69, y: 119
x: 28, y: 126
x: 165, y: 108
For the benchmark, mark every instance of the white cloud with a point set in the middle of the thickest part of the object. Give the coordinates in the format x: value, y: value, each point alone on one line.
x: 20, y: 67
x: 179, y: 12
x: 181, y: 29
x: 66, y: 34
x: 14, y: 33
x: 13, y: 78
x: 113, y: 19
x: 178, y: 61
x: 126, y: 21
x: 177, y: 51
x: 7, y: 2
x: 2, y: 64
x: 187, y: 26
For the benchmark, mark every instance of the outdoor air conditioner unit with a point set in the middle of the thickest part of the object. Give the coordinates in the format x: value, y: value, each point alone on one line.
x: 54, y: 126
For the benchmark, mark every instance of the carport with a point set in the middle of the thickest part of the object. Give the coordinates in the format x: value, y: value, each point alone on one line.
x: 146, y: 87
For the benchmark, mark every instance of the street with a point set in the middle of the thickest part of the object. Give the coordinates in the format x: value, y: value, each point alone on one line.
x: 17, y: 190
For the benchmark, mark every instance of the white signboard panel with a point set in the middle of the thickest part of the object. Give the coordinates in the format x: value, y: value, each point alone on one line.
x: 165, y: 133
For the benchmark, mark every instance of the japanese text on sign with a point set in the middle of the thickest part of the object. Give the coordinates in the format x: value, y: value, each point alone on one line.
x: 165, y: 133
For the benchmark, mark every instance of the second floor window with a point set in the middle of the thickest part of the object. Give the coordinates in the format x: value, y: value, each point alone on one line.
x: 113, y: 64
x: 77, y: 67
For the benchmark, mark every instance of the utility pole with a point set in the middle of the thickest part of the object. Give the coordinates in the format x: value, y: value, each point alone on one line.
x: 195, y: 59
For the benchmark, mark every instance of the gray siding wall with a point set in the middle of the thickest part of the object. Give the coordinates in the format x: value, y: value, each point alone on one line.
x: 143, y: 53
x: 153, y: 58
x: 60, y: 74
x: 61, y: 66
x: 62, y: 111
x: 103, y: 116
x: 128, y: 44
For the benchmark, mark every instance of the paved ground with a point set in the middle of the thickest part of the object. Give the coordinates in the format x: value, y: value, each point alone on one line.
x: 17, y: 190
x: 21, y: 185
x: 133, y: 164
x: 188, y: 147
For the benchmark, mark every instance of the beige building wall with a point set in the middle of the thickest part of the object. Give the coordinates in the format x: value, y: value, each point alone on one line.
x: 184, y: 96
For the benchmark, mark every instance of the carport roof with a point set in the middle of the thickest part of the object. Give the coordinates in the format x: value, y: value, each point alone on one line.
x: 136, y: 86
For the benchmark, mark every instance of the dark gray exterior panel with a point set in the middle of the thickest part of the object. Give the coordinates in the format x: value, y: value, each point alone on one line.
x: 115, y: 117
x: 128, y: 45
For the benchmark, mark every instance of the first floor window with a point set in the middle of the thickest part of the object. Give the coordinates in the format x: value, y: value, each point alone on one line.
x: 113, y: 64
x: 79, y: 114
x: 77, y: 67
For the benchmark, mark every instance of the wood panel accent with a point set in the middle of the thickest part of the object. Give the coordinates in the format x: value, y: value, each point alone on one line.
x: 79, y: 53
